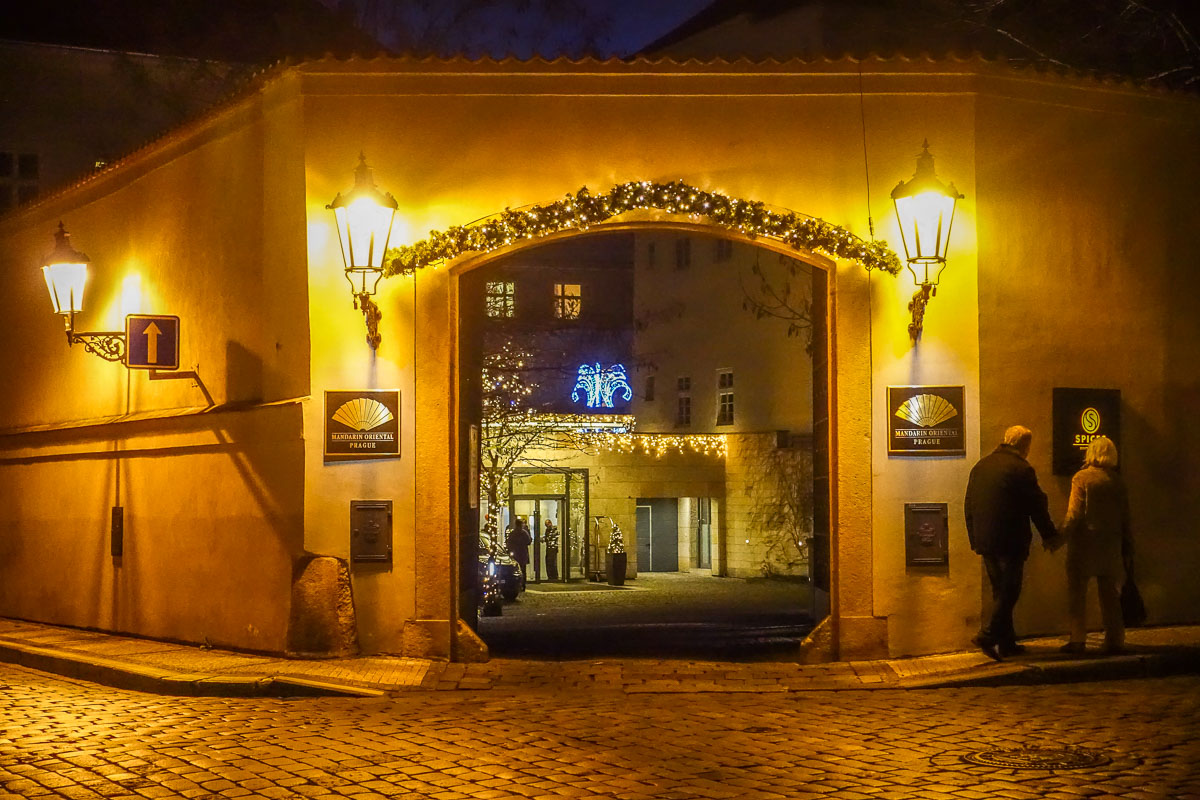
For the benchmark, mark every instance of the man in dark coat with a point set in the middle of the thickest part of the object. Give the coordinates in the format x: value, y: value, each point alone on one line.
x: 1003, y: 497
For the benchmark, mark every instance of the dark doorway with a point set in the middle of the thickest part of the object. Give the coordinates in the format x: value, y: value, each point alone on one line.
x: 658, y: 533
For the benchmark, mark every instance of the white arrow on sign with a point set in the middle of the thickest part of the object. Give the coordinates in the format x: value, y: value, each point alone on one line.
x: 152, y: 333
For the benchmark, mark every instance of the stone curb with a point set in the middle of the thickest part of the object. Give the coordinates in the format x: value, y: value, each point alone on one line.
x: 154, y: 680
x: 1175, y: 661
x: 1164, y: 661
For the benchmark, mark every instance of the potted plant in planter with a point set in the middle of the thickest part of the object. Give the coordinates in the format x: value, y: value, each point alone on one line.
x: 615, y: 557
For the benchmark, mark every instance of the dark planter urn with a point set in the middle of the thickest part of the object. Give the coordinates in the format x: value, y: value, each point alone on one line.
x: 614, y: 567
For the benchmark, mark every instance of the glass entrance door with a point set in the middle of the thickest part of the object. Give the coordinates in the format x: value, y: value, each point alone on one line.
x: 544, y: 515
x: 558, y: 553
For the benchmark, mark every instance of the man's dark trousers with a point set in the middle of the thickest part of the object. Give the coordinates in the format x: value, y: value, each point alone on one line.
x: 1004, y: 573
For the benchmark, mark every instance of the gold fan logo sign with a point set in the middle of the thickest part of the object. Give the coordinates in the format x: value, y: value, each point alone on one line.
x: 926, y: 420
x: 363, y: 424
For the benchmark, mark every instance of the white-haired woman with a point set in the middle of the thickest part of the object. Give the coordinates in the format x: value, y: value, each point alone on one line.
x: 1099, y: 544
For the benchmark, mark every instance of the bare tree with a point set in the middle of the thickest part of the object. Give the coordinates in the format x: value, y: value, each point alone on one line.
x: 783, y: 293
x: 1146, y: 40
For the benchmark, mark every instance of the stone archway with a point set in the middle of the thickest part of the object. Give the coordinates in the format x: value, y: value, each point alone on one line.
x: 442, y: 429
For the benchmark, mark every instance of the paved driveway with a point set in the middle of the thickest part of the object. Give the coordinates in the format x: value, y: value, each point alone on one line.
x: 658, y: 615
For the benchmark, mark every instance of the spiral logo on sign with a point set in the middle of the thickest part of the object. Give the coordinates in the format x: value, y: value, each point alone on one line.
x: 1090, y: 420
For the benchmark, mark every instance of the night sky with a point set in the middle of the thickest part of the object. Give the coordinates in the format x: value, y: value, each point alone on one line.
x: 522, y: 28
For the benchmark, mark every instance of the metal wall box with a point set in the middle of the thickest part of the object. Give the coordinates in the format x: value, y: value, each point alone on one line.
x: 926, y: 534
x: 371, y: 531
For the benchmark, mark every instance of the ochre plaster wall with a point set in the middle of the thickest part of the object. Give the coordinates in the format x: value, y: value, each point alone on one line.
x: 1087, y: 264
x: 928, y: 609
x: 384, y: 598
x: 211, y: 500
x: 496, y: 136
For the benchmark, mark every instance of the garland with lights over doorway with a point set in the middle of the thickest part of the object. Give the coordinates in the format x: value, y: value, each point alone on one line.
x: 581, y: 210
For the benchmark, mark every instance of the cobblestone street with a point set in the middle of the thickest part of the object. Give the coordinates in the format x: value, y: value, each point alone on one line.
x: 63, y: 738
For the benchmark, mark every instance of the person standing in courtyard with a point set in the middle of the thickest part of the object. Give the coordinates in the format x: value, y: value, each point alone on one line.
x: 1003, y: 498
x: 518, y: 543
x: 1099, y: 544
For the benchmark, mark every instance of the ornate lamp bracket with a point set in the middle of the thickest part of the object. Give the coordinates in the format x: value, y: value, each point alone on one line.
x: 916, y: 307
x: 109, y: 345
x: 371, y: 315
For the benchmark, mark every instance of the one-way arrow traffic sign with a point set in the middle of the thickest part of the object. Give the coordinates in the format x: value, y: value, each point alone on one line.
x: 151, y: 341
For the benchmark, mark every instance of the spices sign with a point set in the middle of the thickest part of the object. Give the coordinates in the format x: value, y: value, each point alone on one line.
x: 926, y: 421
x: 362, y: 424
x: 1081, y: 415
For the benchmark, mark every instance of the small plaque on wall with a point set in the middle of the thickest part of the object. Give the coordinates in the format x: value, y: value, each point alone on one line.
x: 362, y: 424
x: 1081, y: 415
x: 926, y: 534
x: 926, y: 421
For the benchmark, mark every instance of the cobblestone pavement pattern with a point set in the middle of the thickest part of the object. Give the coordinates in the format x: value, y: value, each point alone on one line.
x: 64, y: 738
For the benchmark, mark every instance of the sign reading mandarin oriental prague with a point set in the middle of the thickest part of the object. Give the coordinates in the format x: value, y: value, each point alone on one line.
x: 362, y: 424
x: 1081, y: 415
x: 926, y: 421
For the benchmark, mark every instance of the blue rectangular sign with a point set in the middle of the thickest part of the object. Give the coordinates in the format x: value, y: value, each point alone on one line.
x: 151, y: 341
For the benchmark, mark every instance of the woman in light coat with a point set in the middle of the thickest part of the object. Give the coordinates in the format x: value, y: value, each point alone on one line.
x: 1099, y: 544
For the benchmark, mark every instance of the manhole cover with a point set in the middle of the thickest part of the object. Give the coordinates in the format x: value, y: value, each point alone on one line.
x: 1038, y: 758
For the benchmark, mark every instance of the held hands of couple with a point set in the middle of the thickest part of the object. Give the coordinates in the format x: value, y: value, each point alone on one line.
x: 1054, y: 543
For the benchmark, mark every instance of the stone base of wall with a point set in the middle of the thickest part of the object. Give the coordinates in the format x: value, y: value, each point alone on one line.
x: 817, y: 647
x: 468, y: 647
x: 322, y: 620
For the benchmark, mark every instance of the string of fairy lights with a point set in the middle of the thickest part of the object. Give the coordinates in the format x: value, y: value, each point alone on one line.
x: 581, y: 210
x: 614, y: 433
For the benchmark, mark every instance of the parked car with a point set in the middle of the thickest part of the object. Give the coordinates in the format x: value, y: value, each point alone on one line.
x: 507, y: 570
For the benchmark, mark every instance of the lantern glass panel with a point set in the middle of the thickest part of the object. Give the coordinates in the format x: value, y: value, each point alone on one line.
x: 364, y: 227
x: 925, y: 220
x: 65, y: 282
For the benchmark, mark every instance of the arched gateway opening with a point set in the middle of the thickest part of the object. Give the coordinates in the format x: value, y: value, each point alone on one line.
x: 642, y: 424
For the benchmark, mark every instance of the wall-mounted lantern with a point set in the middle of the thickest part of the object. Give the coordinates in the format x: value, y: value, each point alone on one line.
x: 65, y: 271
x: 925, y: 210
x: 364, y: 222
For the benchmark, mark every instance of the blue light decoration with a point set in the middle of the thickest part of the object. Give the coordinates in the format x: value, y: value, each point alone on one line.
x: 600, y: 385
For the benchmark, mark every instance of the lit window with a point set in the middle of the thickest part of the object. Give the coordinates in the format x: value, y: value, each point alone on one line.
x: 567, y: 300
x: 725, y: 397
x: 723, y: 250
x: 649, y: 395
x: 683, y: 253
x: 683, y: 406
x: 501, y: 299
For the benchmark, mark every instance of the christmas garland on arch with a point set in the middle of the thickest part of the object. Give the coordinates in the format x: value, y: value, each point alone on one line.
x: 582, y: 210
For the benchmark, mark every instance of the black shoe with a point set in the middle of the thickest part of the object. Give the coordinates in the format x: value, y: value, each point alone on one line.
x: 1074, y: 648
x: 1012, y: 649
x: 988, y: 647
